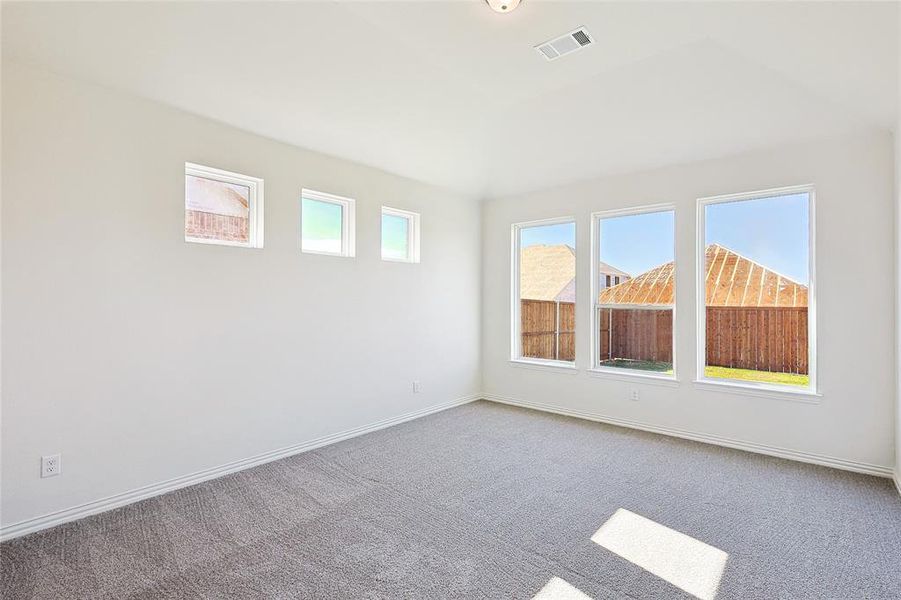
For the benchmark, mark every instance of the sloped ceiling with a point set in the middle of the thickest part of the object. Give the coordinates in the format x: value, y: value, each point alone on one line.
x: 453, y: 94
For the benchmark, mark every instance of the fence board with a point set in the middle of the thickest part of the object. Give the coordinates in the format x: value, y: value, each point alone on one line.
x: 635, y: 334
x: 539, y: 331
x: 758, y: 338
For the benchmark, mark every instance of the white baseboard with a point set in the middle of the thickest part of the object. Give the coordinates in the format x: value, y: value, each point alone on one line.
x: 104, y: 504
x: 897, y: 478
x: 806, y: 457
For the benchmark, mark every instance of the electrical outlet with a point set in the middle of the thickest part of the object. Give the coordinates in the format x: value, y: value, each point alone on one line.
x: 633, y: 394
x: 417, y: 387
x: 51, y: 465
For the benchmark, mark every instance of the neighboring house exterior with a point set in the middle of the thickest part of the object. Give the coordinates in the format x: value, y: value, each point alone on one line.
x: 216, y: 210
x: 547, y: 289
x: 755, y: 318
x: 748, y: 306
x: 546, y: 272
x: 549, y: 273
x: 731, y: 280
x: 610, y: 276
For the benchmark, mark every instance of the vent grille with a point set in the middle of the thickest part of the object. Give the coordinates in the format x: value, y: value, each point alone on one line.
x: 565, y: 44
x: 581, y: 37
x: 548, y: 51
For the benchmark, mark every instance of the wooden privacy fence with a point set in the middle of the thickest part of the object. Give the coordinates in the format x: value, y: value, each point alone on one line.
x: 759, y: 338
x: 762, y: 339
x: 548, y: 329
x: 636, y: 334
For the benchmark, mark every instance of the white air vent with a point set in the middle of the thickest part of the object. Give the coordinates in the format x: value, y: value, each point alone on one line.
x: 572, y: 41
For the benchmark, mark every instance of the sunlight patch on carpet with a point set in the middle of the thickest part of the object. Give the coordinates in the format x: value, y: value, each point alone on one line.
x: 558, y: 589
x: 687, y: 563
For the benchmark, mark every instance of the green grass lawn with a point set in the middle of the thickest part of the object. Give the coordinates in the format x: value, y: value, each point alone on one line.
x: 714, y: 372
x: 639, y: 365
x: 758, y: 376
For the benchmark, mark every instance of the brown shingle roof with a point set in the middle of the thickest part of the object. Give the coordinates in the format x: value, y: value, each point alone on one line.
x: 549, y: 273
x: 545, y: 271
x: 732, y: 280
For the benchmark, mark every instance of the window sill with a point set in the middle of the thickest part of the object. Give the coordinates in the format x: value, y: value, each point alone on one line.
x: 400, y: 260
x: 635, y: 377
x: 545, y: 365
x: 762, y: 390
x: 213, y: 242
x: 325, y: 253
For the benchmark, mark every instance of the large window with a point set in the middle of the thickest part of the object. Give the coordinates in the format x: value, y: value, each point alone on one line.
x: 222, y: 207
x: 633, y: 288
x: 544, y: 292
x: 756, y: 297
x: 326, y: 224
x: 400, y: 235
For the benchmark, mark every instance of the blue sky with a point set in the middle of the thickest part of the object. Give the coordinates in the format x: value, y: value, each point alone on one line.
x: 637, y: 243
x: 321, y: 229
x: 552, y: 235
x: 394, y: 236
x: 771, y: 231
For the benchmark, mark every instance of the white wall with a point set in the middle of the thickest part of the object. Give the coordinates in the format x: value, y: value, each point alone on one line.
x: 898, y: 269
x: 898, y: 291
x: 853, y: 421
x: 141, y: 358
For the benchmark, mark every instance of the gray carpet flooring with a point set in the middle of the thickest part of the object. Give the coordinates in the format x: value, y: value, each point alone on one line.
x: 481, y: 501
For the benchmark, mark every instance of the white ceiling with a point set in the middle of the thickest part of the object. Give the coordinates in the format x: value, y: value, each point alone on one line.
x: 453, y: 94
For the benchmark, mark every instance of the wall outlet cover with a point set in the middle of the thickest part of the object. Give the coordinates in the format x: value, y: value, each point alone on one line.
x: 51, y: 465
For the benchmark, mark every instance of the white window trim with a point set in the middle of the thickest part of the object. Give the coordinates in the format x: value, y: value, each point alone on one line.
x: 254, y: 203
x: 634, y: 376
x: 515, y: 339
x: 762, y: 389
x: 561, y: 366
x: 348, y: 227
x: 413, y: 234
x: 613, y: 372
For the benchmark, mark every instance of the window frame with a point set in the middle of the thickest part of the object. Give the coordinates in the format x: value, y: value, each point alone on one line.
x: 413, y: 234
x: 348, y: 222
x: 766, y: 389
x: 614, y: 372
x: 516, y: 357
x: 255, y: 218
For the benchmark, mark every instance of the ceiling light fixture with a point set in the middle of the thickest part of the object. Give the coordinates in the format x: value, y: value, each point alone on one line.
x: 503, y: 6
